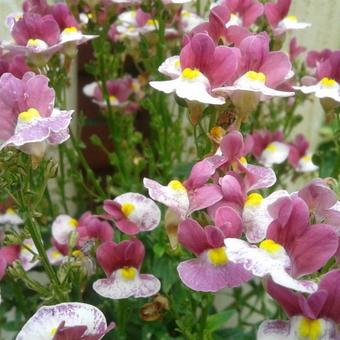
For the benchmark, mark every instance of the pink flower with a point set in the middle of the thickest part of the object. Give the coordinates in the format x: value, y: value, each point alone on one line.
x: 315, y: 57
x: 314, y: 317
x: 8, y: 255
x: 133, y: 213
x: 203, y: 66
x: 243, y: 12
x: 29, y: 120
x: 269, y: 147
x: 211, y: 271
x: 192, y: 195
x: 299, y: 157
x: 292, y: 247
x: 121, y: 263
x: 278, y: 18
x: 14, y: 64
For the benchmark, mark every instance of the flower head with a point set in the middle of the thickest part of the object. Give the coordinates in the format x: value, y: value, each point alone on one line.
x: 29, y: 120
x: 121, y: 263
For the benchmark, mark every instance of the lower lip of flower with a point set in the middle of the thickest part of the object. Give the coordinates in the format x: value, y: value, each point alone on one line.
x: 190, y: 73
x: 217, y: 256
x: 128, y: 273
x: 127, y: 208
x: 29, y: 115
x: 271, y: 147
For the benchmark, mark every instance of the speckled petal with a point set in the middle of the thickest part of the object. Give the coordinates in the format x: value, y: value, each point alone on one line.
x: 274, y: 329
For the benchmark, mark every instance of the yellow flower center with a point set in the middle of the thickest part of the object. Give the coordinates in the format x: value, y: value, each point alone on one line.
x: 307, y: 158
x: 256, y: 76
x: 271, y: 147
x: 292, y: 18
x: 186, y: 14
x: 10, y: 211
x: 243, y: 161
x: 69, y: 30
x: 177, y: 186
x: 310, y: 329
x: 127, y: 208
x: 35, y: 43
x: 55, y: 253
x: 128, y: 273
x: 328, y: 82
x: 190, y: 73
x: 77, y: 253
x: 253, y: 200
x: 217, y: 132
x: 113, y: 100
x: 53, y: 331
x: 218, y: 256
x: 270, y: 246
x: 29, y: 115
x: 152, y: 22
x: 73, y: 222
x: 177, y: 63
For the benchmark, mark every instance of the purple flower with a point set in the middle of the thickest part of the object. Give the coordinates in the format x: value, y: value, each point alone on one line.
x: 203, y: 66
x: 211, y: 271
x: 121, y: 263
x: 29, y: 120
x: 70, y: 320
x: 133, y: 213
x: 315, y: 317
x: 292, y: 247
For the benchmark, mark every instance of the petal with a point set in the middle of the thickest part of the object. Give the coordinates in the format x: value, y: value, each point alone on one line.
x: 41, y: 325
x: 274, y: 153
x: 274, y: 329
x: 229, y: 221
x: 62, y: 226
x: 204, y: 197
x: 116, y: 287
x: 258, y: 177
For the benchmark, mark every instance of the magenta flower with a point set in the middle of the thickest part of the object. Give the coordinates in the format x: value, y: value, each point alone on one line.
x: 243, y: 12
x: 211, y: 271
x: 315, y: 57
x: 326, y: 84
x: 260, y: 71
x: 203, y: 66
x: 292, y: 247
x: 70, y: 320
x: 121, y: 263
x: 194, y: 194
x: 295, y: 50
x: 133, y: 213
x: 14, y: 64
x: 29, y: 120
x: 119, y: 91
x: 269, y: 147
x: 299, y: 157
x: 315, y: 317
x: 278, y: 18
x: 8, y: 255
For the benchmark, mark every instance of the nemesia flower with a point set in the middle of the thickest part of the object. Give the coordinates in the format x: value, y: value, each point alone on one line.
x: 260, y: 73
x: 62, y: 227
x: 133, y: 213
x: 192, y: 195
x: 295, y: 50
x: 121, y: 263
x: 315, y: 57
x: 8, y: 255
x: 12, y: 63
x: 211, y: 271
x: 292, y: 248
x: 269, y: 147
x: 55, y: 257
x: 165, y: 2
x: 278, y: 18
x: 299, y: 157
x: 27, y: 253
x: 189, y: 20
x: 314, y: 317
x: 29, y: 120
x: 119, y: 90
x: 243, y: 12
x: 326, y: 85
x: 203, y: 67
x: 10, y: 217
x: 70, y: 320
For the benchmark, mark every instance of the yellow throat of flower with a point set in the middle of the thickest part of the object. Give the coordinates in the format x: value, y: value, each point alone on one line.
x: 190, y: 73
x: 70, y: 30
x: 310, y: 329
x: 73, y: 222
x: 271, y: 147
x: 10, y: 211
x: 128, y: 273
x: 177, y: 186
x: 270, y: 246
x: 253, y: 200
x: 152, y: 22
x: 35, y: 43
x: 256, y: 76
x: 128, y: 208
x: 292, y: 18
x: 29, y: 115
x: 328, y: 82
x: 218, y: 256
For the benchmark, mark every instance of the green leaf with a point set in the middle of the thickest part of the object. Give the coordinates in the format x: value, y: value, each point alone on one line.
x: 218, y: 320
